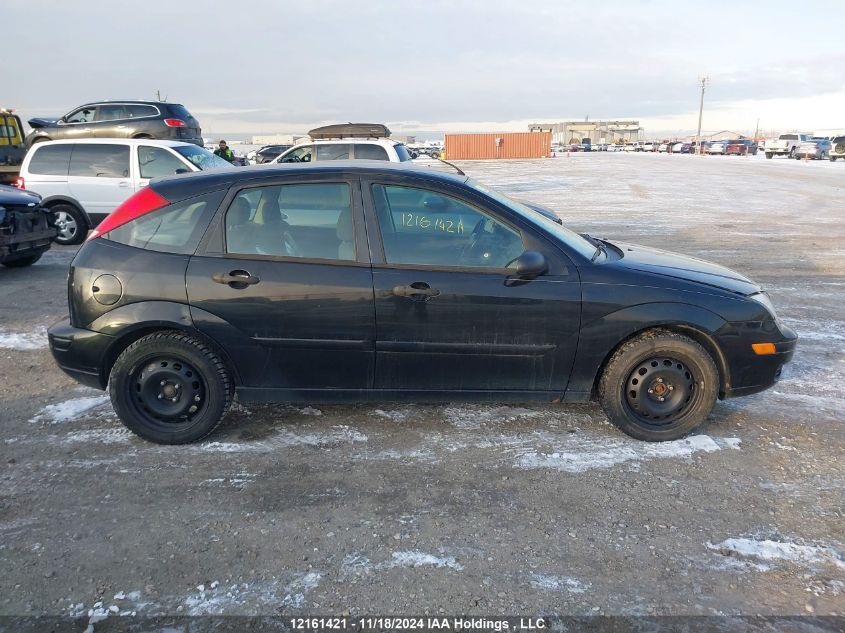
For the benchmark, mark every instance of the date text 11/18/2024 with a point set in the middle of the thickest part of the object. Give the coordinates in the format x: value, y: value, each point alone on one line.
x: 417, y: 623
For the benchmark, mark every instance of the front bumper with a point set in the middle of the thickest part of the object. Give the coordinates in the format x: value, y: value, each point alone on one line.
x: 752, y: 373
x: 80, y: 353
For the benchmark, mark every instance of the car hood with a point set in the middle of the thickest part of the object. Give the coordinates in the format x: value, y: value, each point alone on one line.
x: 39, y: 123
x: 14, y: 196
x: 656, y: 261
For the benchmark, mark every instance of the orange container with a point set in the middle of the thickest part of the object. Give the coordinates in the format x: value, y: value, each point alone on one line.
x: 498, y: 145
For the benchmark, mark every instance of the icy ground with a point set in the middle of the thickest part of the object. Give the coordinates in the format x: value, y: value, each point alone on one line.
x: 470, y: 509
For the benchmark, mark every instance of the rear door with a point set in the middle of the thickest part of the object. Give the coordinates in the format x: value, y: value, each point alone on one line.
x: 284, y: 282
x: 450, y: 317
x: 100, y: 177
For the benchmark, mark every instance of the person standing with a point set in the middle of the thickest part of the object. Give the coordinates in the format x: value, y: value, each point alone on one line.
x: 224, y: 152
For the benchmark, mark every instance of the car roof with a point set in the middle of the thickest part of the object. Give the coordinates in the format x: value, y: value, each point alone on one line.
x: 132, y: 101
x: 203, y: 181
x: 114, y: 141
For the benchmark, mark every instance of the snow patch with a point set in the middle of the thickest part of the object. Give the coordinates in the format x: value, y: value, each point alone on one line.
x: 337, y: 435
x: 606, y: 454
x: 23, y: 341
x: 297, y: 590
x: 69, y: 409
x: 469, y: 417
x: 99, y: 436
x: 310, y: 411
x: 768, y: 550
x: 421, y: 559
x: 558, y: 583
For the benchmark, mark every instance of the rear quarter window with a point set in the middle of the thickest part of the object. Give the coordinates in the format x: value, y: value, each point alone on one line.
x: 103, y: 161
x: 177, y: 228
x: 50, y: 160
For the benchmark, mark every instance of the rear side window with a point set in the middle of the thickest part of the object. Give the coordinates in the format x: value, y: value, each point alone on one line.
x: 177, y: 228
x: 111, y: 112
x: 103, y: 161
x: 135, y: 111
x: 334, y: 151
x: 179, y: 111
x: 403, y: 152
x: 370, y: 151
x: 50, y: 160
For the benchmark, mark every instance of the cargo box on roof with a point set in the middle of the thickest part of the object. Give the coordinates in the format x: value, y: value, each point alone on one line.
x: 350, y: 130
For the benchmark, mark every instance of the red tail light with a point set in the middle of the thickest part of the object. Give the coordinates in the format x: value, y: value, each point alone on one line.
x: 143, y: 202
x: 175, y: 123
x: 19, y: 183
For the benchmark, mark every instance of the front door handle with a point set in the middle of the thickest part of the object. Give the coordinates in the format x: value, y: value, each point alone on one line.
x: 238, y: 279
x: 418, y: 291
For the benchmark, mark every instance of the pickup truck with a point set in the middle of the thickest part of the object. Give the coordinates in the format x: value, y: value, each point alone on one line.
x: 12, y: 147
x: 785, y: 144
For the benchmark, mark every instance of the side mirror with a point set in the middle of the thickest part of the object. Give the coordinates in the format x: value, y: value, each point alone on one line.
x: 181, y: 170
x: 531, y: 264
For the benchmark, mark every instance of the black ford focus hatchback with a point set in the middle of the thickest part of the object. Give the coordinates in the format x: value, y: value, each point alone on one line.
x: 370, y: 281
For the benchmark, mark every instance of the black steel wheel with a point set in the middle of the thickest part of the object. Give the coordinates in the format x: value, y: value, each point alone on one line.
x: 660, y: 385
x: 170, y: 388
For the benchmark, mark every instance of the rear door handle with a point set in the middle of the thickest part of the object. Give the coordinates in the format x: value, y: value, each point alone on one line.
x: 238, y: 279
x: 418, y: 291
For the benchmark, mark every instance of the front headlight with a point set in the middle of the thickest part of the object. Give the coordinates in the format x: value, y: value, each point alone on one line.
x: 763, y: 299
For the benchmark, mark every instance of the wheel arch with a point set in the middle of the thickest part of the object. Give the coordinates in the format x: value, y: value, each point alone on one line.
x: 697, y: 334
x: 51, y: 201
x: 601, y: 338
x: 134, y: 333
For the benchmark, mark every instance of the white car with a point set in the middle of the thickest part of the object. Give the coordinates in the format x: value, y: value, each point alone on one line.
x: 677, y: 147
x: 84, y: 180
x: 614, y: 148
x: 344, y: 149
x: 717, y: 147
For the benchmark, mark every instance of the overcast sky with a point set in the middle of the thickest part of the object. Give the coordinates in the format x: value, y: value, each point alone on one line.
x: 262, y: 66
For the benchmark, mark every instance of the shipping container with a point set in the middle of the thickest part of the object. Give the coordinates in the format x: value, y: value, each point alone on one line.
x: 498, y: 145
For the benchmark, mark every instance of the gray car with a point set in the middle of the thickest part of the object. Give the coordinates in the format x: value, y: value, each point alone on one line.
x: 120, y: 119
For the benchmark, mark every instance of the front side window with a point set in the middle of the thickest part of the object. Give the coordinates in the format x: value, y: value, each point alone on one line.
x: 311, y: 221
x: 402, y: 152
x: 334, y: 151
x: 50, y: 160
x: 156, y: 162
x: 370, y: 151
x: 83, y: 115
x: 103, y: 161
x: 299, y: 155
x: 173, y: 229
x: 432, y: 229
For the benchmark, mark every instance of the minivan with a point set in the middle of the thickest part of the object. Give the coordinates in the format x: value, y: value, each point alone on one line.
x: 83, y: 181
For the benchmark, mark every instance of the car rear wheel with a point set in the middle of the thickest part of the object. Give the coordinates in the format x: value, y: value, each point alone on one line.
x: 71, y: 223
x: 659, y: 386
x: 21, y: 262
x: 170, y: 388
x: 769, y: 154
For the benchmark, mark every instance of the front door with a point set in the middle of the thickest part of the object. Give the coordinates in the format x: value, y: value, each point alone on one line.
x: 449, y: 314
x: 290, y: 293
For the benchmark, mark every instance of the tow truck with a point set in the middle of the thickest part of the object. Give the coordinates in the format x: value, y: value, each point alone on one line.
x: 12, y: 147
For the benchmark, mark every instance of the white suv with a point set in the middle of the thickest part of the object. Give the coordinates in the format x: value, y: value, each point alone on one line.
x: 343, y: 149
x: 83, y: 181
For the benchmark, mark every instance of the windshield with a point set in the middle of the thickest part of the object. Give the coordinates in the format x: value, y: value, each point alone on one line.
x: 202, y: 158
x: 565, y: 235
x: 403, y: 153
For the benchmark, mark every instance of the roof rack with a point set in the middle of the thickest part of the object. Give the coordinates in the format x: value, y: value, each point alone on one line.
x: 350, y: 130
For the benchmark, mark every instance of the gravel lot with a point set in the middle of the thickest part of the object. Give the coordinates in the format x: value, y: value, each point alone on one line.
x: 461, y: 509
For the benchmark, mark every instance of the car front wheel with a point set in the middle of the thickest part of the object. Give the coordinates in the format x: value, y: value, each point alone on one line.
x: 170, y: 388
x: 659, y: 386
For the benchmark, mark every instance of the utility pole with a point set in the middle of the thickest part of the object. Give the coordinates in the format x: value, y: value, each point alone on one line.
x: 757, y: 129
x: 703, y: 83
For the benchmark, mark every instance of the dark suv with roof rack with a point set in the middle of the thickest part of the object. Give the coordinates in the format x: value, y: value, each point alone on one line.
x: 120, y: 119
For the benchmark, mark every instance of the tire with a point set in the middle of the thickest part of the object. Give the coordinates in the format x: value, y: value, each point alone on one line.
x: 792, y: 152
x: 22, y: 262
x: 163, y: 365
x: 833, y: 159
x: 659, y: 362
x: 72, y: 224
x: 769, y: 155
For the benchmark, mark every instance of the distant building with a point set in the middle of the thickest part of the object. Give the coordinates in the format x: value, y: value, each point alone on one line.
x: 407, y: 140
x: 611, y: 131
x: 276, y: 139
